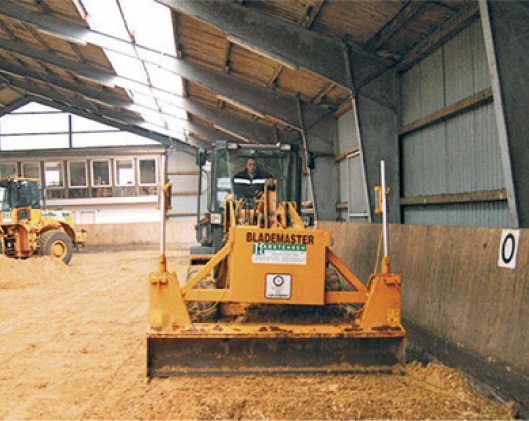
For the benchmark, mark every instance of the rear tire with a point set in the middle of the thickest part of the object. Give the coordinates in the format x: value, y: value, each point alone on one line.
x: 57, y: 244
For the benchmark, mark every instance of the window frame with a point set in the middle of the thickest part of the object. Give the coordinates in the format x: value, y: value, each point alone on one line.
x: 134, y: 175
x: 70, y: 174
x: 30, y: 162
x: 62, y: 172
x: 156, y: 178
x: 10, y: 163
x: 109, y: 165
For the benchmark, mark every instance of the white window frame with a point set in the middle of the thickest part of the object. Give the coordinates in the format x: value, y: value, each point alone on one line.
x: 46, y: 182
x: 30, y: 162
x: 70, y: 174
x: 148, y: 158
x: 10, y: 163
x: 132, y: 161
x: 109, y: 173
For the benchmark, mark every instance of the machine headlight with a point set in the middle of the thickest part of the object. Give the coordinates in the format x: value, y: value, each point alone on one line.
x: 215, y: 218
x: 285, y: 147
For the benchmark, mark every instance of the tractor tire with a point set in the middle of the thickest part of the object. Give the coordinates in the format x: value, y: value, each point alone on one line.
x: 57, y: 244
x: 202, y: 311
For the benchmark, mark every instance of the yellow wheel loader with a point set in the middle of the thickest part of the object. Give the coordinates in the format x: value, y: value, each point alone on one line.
x: 265, y: 292
x: 26, y: 230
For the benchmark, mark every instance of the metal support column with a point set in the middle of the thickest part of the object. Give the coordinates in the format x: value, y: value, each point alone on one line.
x: 358, y: 133
x: 307, y: 169
x: 499, y: 112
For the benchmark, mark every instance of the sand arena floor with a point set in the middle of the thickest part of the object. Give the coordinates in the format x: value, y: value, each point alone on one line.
x: 72, y: 347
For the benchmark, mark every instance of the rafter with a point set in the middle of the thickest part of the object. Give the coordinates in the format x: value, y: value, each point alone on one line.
x: 277, y: 105
x: 311, y: 12
x: 403, y: 16
x: 282, y: 41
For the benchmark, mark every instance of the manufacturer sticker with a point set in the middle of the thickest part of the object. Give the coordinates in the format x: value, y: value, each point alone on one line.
x: 278, y: 286
x: 283, y: 254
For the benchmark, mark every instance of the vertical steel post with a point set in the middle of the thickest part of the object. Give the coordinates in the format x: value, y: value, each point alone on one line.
x: 501, y: 125
x: 357, y: 130
x: 163, y: 215
x: 384, y: 207
x: 306, y: 155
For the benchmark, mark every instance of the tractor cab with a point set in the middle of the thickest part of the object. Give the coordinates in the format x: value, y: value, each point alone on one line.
x: 18, y: 193
x: 217, y: 180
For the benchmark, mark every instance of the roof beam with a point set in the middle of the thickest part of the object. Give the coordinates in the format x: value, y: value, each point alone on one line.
x: 440, y: 35
x: 108, y: 115
x: 227, y: 120
x: 311, y: 12
x: 165, y: 140
x: 208, y: 133
x: 404, y: 15
x: 284, y: 42
x: 261, y: 100
x: 13, y: 106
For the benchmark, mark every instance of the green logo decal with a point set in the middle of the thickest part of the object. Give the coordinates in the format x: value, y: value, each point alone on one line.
x: 260, y: 248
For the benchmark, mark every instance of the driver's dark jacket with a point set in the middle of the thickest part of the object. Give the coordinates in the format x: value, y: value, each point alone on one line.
x: 249, y: 187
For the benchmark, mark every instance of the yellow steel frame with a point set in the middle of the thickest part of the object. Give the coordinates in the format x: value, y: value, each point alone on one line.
x: 380, y: 315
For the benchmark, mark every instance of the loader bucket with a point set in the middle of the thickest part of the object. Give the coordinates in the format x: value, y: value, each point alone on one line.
x: 171, y: 356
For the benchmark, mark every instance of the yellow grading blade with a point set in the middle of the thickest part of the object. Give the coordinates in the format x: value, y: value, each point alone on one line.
x: 201, y: 354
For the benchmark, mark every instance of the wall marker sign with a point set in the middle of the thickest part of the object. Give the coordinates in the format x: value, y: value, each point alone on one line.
x: 510, y: 240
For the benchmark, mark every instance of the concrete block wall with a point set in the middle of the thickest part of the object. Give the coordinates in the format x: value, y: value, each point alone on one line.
x: 181, y: 232
x: 457, y: 303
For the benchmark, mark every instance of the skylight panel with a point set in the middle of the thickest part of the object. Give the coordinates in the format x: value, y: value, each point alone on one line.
x: 148, y: 24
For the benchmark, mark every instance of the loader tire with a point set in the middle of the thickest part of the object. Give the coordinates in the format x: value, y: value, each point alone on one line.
x: 57, y: 244
x: 202, y: 311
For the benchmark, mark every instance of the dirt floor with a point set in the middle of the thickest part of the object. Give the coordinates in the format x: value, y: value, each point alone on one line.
x: 72, y: 346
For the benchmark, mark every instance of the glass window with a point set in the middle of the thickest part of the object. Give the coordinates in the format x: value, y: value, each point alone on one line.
x: 101, y: 173
x: 53, y: 174
x: 8, y: 170
x: 147, y: 171
x: 34, y: 141
x: 31, y: 170
x: 78, y: 176
x: 124, y: 172
x: 34, y: 123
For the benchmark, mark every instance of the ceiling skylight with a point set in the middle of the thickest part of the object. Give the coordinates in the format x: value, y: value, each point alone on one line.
x: 146, y: 23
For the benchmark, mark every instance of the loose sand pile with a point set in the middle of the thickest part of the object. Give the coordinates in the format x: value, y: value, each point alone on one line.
x: 72, y: 347
x: 22, y: 273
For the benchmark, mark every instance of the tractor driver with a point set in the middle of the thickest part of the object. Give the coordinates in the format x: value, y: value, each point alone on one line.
x: 249, y: 183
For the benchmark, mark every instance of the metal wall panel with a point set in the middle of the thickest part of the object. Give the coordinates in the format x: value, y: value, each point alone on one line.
x: 460, y: 154
x: 483, y: 214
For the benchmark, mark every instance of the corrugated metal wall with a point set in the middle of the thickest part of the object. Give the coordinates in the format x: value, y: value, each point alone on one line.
x: 458, y: 155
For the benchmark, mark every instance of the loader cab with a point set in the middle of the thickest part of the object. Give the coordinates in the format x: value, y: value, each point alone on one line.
x: 217, y: 169
x: 19, y: 193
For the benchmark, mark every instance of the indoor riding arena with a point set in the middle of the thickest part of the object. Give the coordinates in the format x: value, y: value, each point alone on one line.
x: 273, y: 209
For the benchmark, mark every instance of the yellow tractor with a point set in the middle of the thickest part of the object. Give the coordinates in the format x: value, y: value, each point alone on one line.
x: 26, y: 230
x: 265, y: 292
